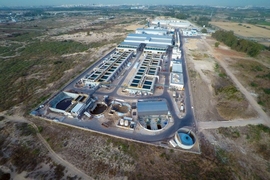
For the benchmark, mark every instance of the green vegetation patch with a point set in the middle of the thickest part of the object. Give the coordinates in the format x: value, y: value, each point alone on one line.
x: 227, y: 37
x: 9, y: 50
x: 36, y: 67
x: 257, y: 76
x: 124, y: 146
x: 255, y: 131
x: 231, y: 132
x: 24, y: 36
x: 26, y: 129
x: 230, y: 92
x: 53, y: 48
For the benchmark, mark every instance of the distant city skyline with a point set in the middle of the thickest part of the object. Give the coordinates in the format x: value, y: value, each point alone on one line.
x: 264, y: 3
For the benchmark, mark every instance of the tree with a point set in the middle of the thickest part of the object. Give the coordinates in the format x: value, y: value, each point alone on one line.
x: 217, y: 44
x: 204, y: 30
x: 227, y: 37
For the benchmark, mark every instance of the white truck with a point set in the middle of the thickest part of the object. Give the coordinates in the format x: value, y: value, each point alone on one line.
x: 182, y: 107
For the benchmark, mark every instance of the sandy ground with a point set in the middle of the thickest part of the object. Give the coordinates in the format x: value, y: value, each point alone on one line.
x: 253, y: 31
x: 201, y: 63
x: 201, y: 84
x: 84, y: 37
x: 133, y: 27
x: 43, y: 167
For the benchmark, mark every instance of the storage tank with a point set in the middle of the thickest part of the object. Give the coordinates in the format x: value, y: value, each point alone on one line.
x: 126, y: 123
x: 122, y: 122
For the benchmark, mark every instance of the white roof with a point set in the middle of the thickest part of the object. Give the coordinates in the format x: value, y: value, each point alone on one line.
x: 152, y: 36
x: 177, y: 67
x: 150, y: 29
x: 77, y: 108
x: 177, y: 78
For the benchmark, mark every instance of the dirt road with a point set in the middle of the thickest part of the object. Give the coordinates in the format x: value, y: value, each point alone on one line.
x: 241, y: 88
x: 218, y: 124
x: 55, y: 157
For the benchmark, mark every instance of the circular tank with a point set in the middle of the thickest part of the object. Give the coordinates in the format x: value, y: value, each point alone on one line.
x: 126, y: 122
x: 122, y: 122
x: 99, y: 109
x: 120, y: 108
x: 185, y: 138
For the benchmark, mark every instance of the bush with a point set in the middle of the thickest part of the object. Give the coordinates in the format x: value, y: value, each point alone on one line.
x: 26, y: 129
x: 59, y: 171
x: 2, y: 118
x: 227, y: 37
x: 217, y: 44
x: 266, y: 90
x: 204, y: 30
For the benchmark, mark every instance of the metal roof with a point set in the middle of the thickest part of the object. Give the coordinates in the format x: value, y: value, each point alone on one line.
x: 177, y: 78
x: 149, y: 36
x: 77, y: 108
x: 156, y: 30
x: 177, y: 67
x: 148, y: 41
x: 158, y: 107
x: 129, y: 43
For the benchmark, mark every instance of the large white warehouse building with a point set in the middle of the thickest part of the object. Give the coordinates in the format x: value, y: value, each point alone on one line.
x: 156, y: 44
x: 172, y: 22
x: 149, y: 39
x: 153, y: 31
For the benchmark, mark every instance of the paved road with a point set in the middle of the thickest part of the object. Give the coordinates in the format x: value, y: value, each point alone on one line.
x: 241, y: 88
x: 55, y: 157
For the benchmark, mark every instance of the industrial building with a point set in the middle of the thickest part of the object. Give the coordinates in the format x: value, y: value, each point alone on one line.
x: 129, y: 46
x: 176, y: 53
x: 152, y: 114
x: 176, y: 76
x: 152, y: 107
x: 108, y: 70
x: 154, y: 31
x: 172, y: 23
x: 149, y: 39
x: 177, y: 38
x: 70, y: 104
x: 190, y: 32
x: 157, y: 44
x: 146, y: 76
x: 155, y: 49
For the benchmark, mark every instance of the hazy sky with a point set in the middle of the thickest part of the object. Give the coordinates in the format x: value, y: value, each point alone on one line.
x: 184, y: 2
